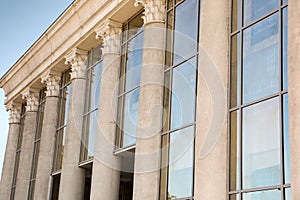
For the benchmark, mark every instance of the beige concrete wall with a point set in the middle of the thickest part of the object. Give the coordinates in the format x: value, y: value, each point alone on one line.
x: 211, y: 119
x: 294, y: 93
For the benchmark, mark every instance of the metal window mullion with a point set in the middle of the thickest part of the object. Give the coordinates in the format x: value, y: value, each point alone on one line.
x: 240, y: 67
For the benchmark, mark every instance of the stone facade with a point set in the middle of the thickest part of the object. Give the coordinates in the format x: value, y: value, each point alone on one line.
x: 83, y: 127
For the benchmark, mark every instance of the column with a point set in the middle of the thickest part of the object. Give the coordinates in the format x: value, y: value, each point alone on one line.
x: 106, y: 165
x: 294, y: 94
x: 45, y: 161
x: 148, y: 142
x: 72, y: 177
x: 31, y: 95
x: 210, y: 173
x: 10, y: 151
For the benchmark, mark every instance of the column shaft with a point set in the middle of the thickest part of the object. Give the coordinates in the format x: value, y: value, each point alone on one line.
x: 23, y: 178
x: 148, y: 142
x: 73, y: 177
x: 9, y: 161
x: 46, y: 154
x: 294, y: 93
x: 210, y: 171
x: 106, y: 165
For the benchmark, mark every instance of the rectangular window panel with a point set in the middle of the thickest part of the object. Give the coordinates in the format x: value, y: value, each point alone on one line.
x: 254, y: 9
x: 94, y: 84
x: 284, y: 48
x: 260, y: 59
x: 235, y: 157
x: 234, y: 197
x: 235, y: 15
x: 185, y: 30
x: 130, y: 117
x: 287, y: 175
x: 288, y: 195
x: 261, y: 145
x: 181, y: 158
x: 134, y: 62
x: 264, y: 195
x: 235, y: 81
x: 183, y: 94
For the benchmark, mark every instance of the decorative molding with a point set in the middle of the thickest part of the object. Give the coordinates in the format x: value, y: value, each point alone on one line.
x: 14, y: 109
x: 154, y: 10
x: 76, y: 58
x: 110, y: 32
x: 52, y: 80
x: 31, y: 95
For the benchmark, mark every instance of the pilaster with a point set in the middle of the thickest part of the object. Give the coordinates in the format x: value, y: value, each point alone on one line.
x: 46, y: 153
x: 106, y: 166
x: 14, y: 109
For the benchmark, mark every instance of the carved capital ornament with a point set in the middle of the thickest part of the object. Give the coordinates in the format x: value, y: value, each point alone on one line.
x: 31, y: 95
x: 76, y: 58
x: 52, y: 80
x: 14, y: 112
x: 154, y: 10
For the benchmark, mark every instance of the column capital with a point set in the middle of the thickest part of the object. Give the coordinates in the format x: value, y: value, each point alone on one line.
x: 14, y: 109
x: 110, y: 32
x: 52, y: 80
x: 154, y: 10
x: 31, y: 95
x: 76, y: 58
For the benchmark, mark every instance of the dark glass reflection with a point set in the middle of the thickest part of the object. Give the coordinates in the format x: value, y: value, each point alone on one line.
x: 181, y: 151
x: 260, y: 60
x: 261, y: 144
x: 183, y: 94
x: 185, y: 30
x: 134, y: 62
x: 235, y: 156
x: 263, y: 195
x: 254, y: 9
x: 287, y: 176
x: 284, y: 48
x: 130, y: 114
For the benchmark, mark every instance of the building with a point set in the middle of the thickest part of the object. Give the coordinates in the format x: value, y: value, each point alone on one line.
x: 157, y: 100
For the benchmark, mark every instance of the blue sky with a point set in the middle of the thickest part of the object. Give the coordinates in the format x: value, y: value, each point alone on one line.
x: 22, y: 22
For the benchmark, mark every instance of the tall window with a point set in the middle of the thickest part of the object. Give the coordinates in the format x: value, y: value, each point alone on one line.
x: 132, y: 44
x: 179, y: 100
x: 64, y: 99
x: 91, y: 104
x: 36, y: 145
x: 259, y: 145
x: 18, y: 153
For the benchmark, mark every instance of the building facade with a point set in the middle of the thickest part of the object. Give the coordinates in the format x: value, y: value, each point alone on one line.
x: 158, y: 100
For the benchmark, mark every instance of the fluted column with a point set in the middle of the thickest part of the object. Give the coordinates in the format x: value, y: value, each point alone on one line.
x: 47, y: 146
x: 10, y: 151
x: 106, y: 165
x: 31, y: 96
x: 73, y: 177
x: 210, y: 175
x: 148, y: 142
x: 294, y: 94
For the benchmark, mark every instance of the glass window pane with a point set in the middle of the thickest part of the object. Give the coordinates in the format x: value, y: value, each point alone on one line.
x: 95, y: 86
x: 91, y: 134
x: 164, y: 166
x: 284, y: 1
x: 261, y: 144
x: 235, y: 15
x: 284, y: 48
x: 185, y: 32
x: 97, y: 53
x: 288, y: 195
x: 254, y: 9
x: 260, y: 60
x: 183, y: 94
x: 135, y: 25
x: 263, y: 195
x: 235, y: 81
x: 234, y: 197
x: 286, y: 140
x: 130, y: 117
x: 134, y: 62
x: 181, y: 153
x: 235, y: 151
x: 65, y: 104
